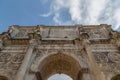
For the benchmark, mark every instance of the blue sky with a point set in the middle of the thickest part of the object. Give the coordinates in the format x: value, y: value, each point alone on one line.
x: 23, y: 12
x: 60, y: 77
x: 59, y: 12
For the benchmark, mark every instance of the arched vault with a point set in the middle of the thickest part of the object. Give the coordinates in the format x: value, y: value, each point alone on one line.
x: 59, y: 63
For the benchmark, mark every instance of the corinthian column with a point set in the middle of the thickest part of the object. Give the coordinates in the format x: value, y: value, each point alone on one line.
x: 26, y: 61
x: 93, y: 65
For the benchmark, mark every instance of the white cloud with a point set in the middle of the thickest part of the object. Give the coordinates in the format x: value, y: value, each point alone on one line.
x: 73, y: 6
x: 94, y: 10
x: 56, y: 8
x: 56, y: 19
x: 46, y: 15
x: 75, y: 10
x: 86, y: 11
x: 117, y: 18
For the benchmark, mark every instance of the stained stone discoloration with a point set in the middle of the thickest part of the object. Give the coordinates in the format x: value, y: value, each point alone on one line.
x: 84, y: 52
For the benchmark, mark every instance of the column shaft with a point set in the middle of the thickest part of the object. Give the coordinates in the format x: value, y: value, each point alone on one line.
x: 22, y: 70
x: 93, y: 65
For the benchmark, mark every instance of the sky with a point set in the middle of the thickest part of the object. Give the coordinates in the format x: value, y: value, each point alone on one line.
x: 60, y: 77
x: 59, y: 12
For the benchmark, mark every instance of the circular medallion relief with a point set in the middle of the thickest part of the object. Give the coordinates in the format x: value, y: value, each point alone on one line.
x: 115, y: 57
x: 18, y: 58
x: 5, y: 57
x: 100, y: 57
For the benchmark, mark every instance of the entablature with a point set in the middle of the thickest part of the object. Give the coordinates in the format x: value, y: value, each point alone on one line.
x: 60, y: 34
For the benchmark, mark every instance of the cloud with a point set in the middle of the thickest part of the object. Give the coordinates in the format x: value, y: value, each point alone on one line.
x: 110, y: 14
x: 56, y: 8
x: 117, y: 18
x: 46, y: 15
x: 56, y: 19
x: 86, y: 12
x: 75, y: 10
x: 94, y: 10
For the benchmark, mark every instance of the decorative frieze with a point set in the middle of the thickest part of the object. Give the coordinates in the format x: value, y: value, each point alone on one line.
x: 9, y: 66
x: 93, y: 49
x: 104, y: 48
x: 5, y: 57
x: 107, y: 57
x: 112, y: 68
x: 18, y: 58
x: 14, y: 49
x: 11, y: 58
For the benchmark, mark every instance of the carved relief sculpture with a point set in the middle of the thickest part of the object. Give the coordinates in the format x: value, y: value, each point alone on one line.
x: 83, y: 52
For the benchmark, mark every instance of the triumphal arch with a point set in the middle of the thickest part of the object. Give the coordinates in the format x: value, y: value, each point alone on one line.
x: 83, y: 52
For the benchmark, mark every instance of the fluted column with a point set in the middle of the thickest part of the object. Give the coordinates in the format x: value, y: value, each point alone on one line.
x: 23, y: 68
x: 94, y: 68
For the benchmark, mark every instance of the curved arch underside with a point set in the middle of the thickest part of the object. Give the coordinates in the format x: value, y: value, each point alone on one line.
x: 60, y: 77
x: 117, y: 77
x: 3, y: 78
x: 59, y: 63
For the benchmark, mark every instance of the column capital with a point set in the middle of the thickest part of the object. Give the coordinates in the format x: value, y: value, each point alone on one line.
x: 33, y: 42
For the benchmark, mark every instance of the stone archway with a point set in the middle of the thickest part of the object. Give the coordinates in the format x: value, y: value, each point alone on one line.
x: 58, y: 63
x: 117, y: 77
x: 60, y: 77
x: 3, y: 78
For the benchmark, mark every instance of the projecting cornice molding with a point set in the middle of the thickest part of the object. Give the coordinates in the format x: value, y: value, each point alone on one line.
x: 94, y: 33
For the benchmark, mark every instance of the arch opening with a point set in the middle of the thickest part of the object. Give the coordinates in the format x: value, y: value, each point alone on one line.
x: 59, y: 64
x: 59, y: 77
x: 3, y: 78
x: 117, y: 77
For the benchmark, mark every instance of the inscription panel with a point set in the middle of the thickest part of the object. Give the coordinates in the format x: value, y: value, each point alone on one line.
x: 97, y: 34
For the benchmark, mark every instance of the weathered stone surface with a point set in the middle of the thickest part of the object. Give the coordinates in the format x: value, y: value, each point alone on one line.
x: 84, y: 52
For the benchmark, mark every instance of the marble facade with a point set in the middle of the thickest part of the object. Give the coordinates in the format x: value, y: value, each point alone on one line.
x: 83, y: 52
